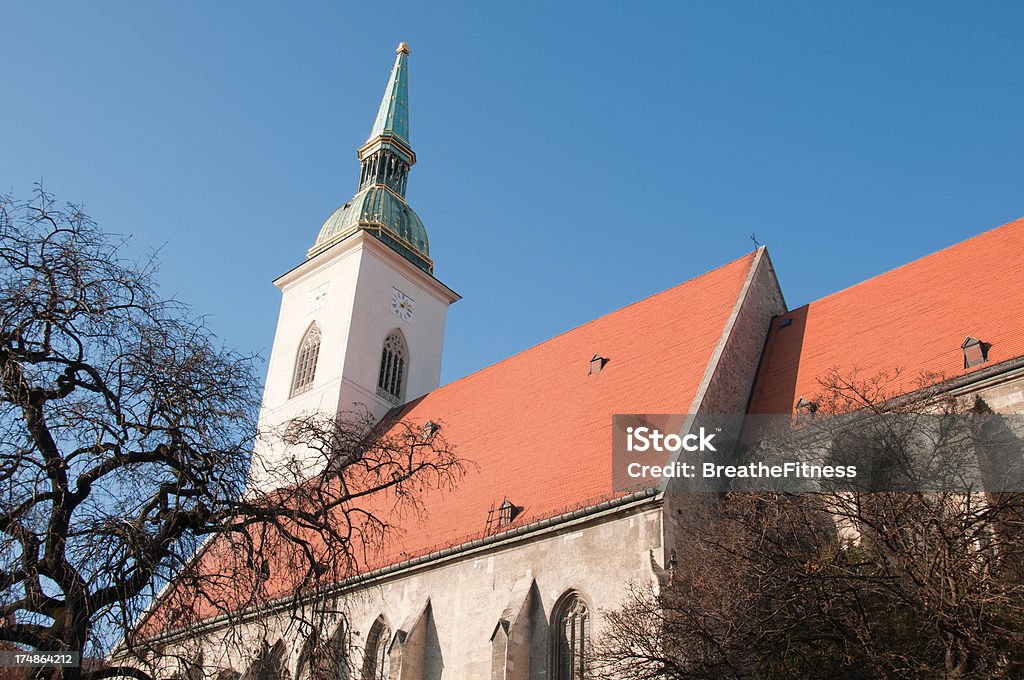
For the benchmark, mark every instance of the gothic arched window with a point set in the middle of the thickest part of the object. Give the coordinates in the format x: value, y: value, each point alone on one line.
x: 570, y: 632
x: 192, y: 670
x: 375, y: 655
x: 325, y: 660
x: 305, y: 361
x: 269, y: 663
x: 394, y: 364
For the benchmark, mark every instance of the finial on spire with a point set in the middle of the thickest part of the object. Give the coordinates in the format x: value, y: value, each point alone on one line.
x: 403, y: 48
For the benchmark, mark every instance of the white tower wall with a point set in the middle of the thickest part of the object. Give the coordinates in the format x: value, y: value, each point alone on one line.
x: 347, y: 291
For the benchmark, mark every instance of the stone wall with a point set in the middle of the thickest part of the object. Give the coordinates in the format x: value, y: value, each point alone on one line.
x: 727, y: 386
x: 481, y: 615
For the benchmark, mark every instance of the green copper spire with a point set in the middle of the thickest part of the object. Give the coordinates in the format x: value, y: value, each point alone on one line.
x: 379, y: 205
x: 387, y: 156
x: 393, y: 115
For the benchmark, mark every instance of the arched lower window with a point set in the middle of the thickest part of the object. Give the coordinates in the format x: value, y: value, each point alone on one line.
x: 375, y: 655
x: 325, y: 659
x: 394, y: 364
x: 269, y: 663
x: 570, y: 633
x: 305, y: 361
x: 192, y: 670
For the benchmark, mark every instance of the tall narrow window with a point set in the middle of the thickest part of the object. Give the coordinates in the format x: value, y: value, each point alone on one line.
x: 375, y: 656
x: 325, y: 660
x: 393, y: 367
x: 195, y: 669
x: 192, y: 670
x: 570, y: 644
x: 270, y: 663
x: 305, y: 361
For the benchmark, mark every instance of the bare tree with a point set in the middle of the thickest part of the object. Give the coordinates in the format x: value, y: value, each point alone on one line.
x: 125, y: 438
x: 915, y: 574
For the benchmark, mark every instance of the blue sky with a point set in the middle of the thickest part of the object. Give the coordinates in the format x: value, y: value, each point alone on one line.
x: 573, y: 157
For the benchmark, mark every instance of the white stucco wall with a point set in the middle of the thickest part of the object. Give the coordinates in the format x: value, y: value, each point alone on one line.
x: 354, y: 318
x: 381, y: 271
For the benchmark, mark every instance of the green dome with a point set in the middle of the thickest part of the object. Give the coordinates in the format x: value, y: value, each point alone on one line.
x: 382, y: 212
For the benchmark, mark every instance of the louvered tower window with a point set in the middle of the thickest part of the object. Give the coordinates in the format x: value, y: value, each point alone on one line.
x: 394, y: 365
x: 305, y: 361
x: 571, y: 628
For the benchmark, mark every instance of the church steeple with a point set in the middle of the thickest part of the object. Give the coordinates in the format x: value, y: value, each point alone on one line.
x: 379, y: 205
x: 387, y: 155
x: 362, y: 319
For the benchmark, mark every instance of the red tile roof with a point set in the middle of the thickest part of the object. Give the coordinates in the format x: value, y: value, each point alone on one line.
x: 913, y: 318
x: 539, y: 427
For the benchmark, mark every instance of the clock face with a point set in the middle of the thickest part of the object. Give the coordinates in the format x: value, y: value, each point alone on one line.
x: 401, y: 305
x: 316, y: 299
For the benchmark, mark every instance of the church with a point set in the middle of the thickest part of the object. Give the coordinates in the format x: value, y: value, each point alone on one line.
x: 505, y: 577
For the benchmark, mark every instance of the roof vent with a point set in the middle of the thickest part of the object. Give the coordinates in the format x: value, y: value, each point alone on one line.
x: 501, y: 516
x: 975, y: 351
x: 805, y: 410
x: 597, y: 363
x: 430, y: 428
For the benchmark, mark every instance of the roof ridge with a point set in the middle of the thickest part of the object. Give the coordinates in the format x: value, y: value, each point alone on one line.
x: 912, y: 317
x: 749, y: 256
x: 935, y: 253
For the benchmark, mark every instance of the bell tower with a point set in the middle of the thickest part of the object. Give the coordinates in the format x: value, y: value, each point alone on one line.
x: 361, y: 326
